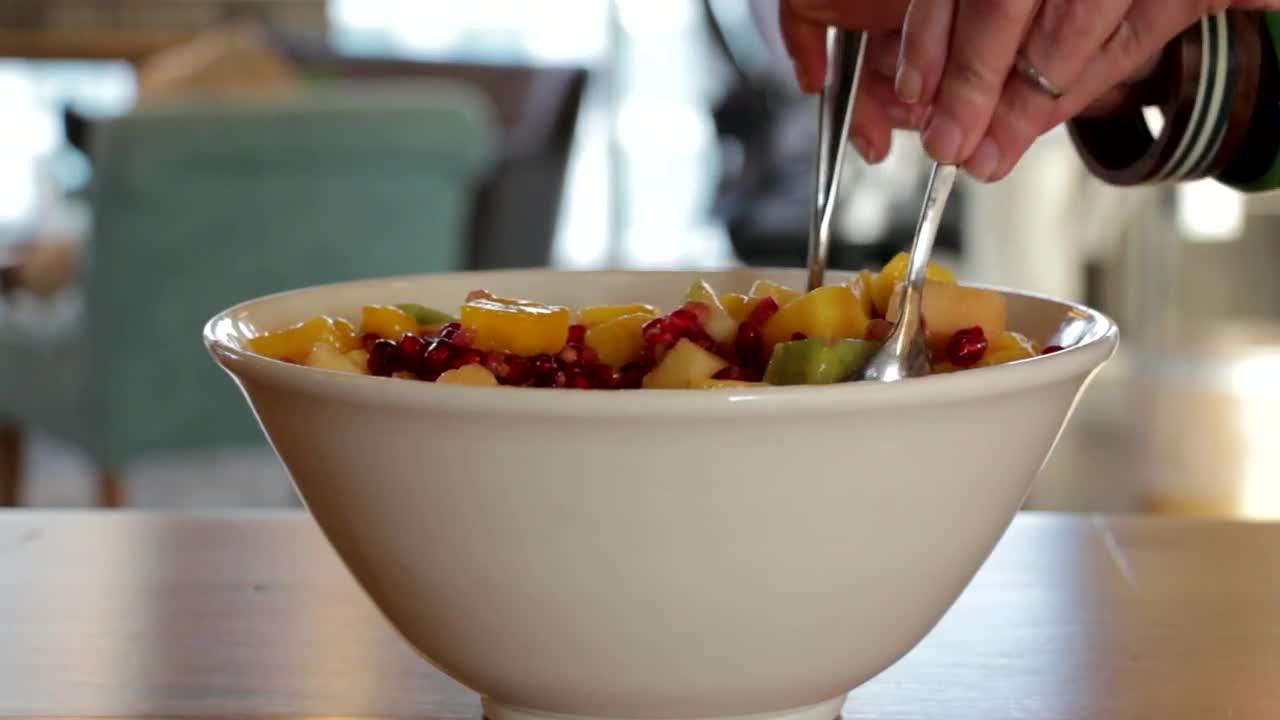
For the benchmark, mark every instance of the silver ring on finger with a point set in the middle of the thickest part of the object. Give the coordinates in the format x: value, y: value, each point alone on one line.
x: 1037, y: 78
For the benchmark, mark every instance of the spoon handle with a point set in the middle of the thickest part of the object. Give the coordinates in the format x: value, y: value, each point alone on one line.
x: 941, y: 180
x: 845, y: 51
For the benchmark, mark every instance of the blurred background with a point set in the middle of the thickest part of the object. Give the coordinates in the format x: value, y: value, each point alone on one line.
x: 161, y: 159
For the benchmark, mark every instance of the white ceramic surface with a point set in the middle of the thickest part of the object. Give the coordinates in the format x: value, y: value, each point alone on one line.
x: 658, y: 554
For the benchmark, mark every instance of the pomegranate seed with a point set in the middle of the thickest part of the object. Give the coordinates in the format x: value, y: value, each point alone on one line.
x: 411, y: 346
x: 579, y: 381
x: 519, y: 371
x: 632, y: 375
x: 448, y: 330
x: 966, y: 348
x: 367, y: 340
x: 748, y: 345
x: 466, y: 357
x: 733, y: 372
x: 1049, y: 349
x: 577, y: 334
x: 437, y: 359
x: 570, y: 355
x: 658, y: 331
x: 763, y: 310
x: 543, y: 370
x: 606, y: 377
x: 463, y: 337
x: 878, y: 330
x: 384, y: 358
x: 798, y: 336
x: 975, y: 331
x: 689, y: 318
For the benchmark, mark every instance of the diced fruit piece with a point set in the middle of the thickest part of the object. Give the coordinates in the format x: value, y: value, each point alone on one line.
x: 768, y: 288
x: 600, y: 314
x: 1005, y: 347
x: 359, y: 357
x: 684, y: 365
x: 296, y: 342
x: 713, y: 383
x: 468, y: 375
x: 829, y: 311
x: 716, y: 321
x: 894, y: 273
x: 861, y: 286
x: 387, y: 321
x: 346, y: 335
x: 620, y: 340
x: 949, y: 308
x: 818, y: 361
x: 736, y: 304
x: 327, y: 357
x: 425, y: 315
x: 517, y: 326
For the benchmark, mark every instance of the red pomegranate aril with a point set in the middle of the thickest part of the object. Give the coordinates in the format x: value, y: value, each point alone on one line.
x: 658, y: 331
x: 466, y: 357
x: 367, y: 340
x: 687, y: 320
x: 463, y: 337
x: 798, y: 336
x: 748, y: 346
x: 763, y: 310
x: 437, y: 359
x: 733, y: 372
x: 579, y: 381
x: 384, y: 358
x: 518, y: 371
x: 632, y: 375
x: 975, y: 331
x: 878, y: 330
x: 577, y: 334
x: 1050, y: 349
x: 543, y: 370
x: 606, y: 377
x: 450, y: 329
x: 966, y: 348
x: 411, y: 346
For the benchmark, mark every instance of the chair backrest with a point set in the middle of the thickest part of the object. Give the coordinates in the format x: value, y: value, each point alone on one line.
x: 199, y: 205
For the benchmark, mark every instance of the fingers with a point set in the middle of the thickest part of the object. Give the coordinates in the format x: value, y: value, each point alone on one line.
x: 878, y: 109
x: 806, y: 43
x: 926, y: 36
x: 872, y: 15
x: 1063, y: 37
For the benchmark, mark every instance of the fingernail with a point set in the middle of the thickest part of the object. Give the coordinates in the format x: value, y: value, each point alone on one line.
x: 982, y: 164
x: 863, y: 146
x: 942, y: 139
x: 908, y: 85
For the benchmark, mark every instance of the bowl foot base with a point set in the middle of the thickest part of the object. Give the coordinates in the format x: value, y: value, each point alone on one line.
x: 826, y: 710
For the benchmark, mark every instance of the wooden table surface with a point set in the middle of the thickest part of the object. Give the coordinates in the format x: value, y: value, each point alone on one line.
x: 250, y: 615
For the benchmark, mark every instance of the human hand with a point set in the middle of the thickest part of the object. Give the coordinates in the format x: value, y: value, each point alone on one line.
x: 951, y: 74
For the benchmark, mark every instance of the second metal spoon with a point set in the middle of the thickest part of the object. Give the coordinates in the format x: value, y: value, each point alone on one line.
x: 905, y: 353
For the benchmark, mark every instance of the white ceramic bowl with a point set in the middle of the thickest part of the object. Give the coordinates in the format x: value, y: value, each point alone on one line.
x: 658, y: 553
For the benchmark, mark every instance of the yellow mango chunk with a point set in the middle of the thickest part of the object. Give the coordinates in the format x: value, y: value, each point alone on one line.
x: 948, y: 307
x: 686, y: 364
x: 712, y: 383
x: 468, y: 375
x: 1005, y: 347
x: 347, y: 336
x: 618, y: 341
x: 831, y: 311
x: 387, y: 321
x: 737, y: 305
x: 600, y: 314
x: 893, y: 273
x: 767, y: 288
x: 518, y: 326
x: 861, y: 286
x: 295, y: 343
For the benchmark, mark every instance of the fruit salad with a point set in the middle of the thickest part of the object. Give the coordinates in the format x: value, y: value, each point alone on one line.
x: 772, y: 335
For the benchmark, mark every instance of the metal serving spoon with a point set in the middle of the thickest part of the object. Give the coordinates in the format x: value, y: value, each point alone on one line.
x: 845, y: 51
x: 905, y: 353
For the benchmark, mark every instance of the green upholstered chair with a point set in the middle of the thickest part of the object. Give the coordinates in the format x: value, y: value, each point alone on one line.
x: 202, y: 203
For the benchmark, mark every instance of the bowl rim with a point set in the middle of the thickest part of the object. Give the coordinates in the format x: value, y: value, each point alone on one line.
x: 1076, y: 361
